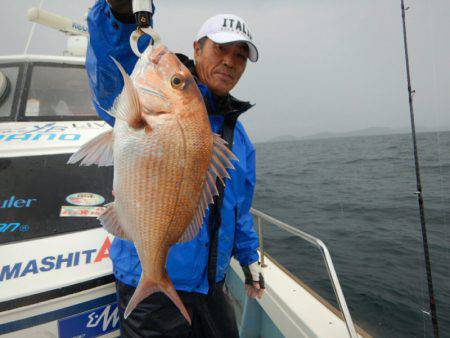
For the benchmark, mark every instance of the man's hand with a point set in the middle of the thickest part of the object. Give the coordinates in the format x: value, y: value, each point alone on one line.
x: 121, y: 6
x: 254, y: 290
x: 254, y: 280
x: 122, y: 10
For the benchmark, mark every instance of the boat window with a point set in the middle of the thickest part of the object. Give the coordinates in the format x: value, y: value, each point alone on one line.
x: 8, y: 79
x: 58, y: 91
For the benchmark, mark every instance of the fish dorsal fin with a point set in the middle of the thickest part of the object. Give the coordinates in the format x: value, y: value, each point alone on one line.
x: 217, y: 172
x: 98, y: 151
x: 127, y: 106
x: 110, y: 222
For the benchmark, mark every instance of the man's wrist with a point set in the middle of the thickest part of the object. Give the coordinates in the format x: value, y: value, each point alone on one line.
x: 253, y: 274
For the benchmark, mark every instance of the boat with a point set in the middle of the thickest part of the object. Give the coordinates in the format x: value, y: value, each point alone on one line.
x: 55, y: 274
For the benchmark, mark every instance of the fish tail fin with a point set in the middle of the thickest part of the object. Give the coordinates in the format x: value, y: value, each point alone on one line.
x: 146, y: 287
x: 169, y: 290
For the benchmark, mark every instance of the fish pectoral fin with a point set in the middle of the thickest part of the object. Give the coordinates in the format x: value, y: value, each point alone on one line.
x: 98, y: 151
x: 127, y: 105
x: 217, y: 172
x: 110, y: 222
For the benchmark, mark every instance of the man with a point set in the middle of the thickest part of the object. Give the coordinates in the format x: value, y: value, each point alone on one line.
x: 196, y: 268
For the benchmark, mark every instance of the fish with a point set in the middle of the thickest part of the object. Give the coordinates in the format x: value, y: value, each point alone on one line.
x: 167, y: 165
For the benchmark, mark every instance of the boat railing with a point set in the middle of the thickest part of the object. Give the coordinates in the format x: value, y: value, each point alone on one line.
x: 259, y: 216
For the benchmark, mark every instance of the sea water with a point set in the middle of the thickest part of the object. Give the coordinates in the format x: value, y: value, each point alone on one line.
x: 357, y: 194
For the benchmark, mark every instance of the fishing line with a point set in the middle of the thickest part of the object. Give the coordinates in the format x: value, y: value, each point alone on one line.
x: 436, y: 116
x: 31, y: 31
x: 432, y: 301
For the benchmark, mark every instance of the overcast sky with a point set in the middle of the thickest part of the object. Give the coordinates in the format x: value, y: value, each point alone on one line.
x: 325, y: 65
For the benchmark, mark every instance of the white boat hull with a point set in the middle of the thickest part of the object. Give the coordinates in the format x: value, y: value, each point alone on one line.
x: 90, y: 313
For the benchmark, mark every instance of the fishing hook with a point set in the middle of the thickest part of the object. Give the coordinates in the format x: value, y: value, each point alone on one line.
x: 143, y: 13
x: 134, y: 38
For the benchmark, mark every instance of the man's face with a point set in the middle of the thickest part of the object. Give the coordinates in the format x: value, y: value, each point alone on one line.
x: 220, y: 66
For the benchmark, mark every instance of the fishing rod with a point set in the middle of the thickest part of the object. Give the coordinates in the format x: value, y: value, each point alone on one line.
x: 419, y: 192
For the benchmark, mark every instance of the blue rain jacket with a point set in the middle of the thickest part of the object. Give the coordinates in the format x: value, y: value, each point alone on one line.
x: 187, y: 263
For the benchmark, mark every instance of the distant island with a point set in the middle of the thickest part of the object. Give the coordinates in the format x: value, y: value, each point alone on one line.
x: 284, y: 138
x: 372, y: 131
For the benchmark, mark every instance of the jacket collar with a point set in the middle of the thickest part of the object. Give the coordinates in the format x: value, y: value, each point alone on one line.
x: 217, y: 105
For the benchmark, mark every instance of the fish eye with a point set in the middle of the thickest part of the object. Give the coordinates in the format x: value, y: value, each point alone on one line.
x: 176, y: 81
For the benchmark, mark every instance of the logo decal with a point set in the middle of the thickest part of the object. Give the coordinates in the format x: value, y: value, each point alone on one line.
x: 78, y: 211
x: 106, y: 317
x: 14, y: 202
x: 93, y: 323
x: 85, y: 198
x: 49, y: 263
x: 39, y: 132
x: 14, y: 227
x: 230, y: 24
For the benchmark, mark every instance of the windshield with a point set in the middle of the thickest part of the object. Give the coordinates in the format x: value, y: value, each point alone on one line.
x: 8, y: 79
x: 58, y: 91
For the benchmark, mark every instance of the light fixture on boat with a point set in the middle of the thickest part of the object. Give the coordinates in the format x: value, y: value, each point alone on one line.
x: 4, y: 87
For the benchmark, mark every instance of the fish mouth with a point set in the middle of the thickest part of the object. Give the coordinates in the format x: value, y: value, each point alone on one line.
x: 157, y: 53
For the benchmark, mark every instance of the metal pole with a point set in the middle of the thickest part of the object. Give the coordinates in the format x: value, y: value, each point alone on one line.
x: 419, y: 192
x: 30, y: 35
x: 261, y: 241
x: 328, y: 263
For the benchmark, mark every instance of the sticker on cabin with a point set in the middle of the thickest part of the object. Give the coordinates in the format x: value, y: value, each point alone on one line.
x: 80, y: 211
x: 38, y: 132
x: 14, y: 227
x: 61, y: 260
x: 44, y: 128
x: 89, y: 125
x: 85, y: 199
x: 92, y: 323
x: 13, y: 202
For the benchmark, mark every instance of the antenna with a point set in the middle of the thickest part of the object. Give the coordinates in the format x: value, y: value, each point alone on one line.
x: 419, y: 192
x: 58, y: 22
x: 77, y: 31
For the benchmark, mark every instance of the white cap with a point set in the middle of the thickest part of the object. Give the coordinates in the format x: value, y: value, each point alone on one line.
x: 226, y: 28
